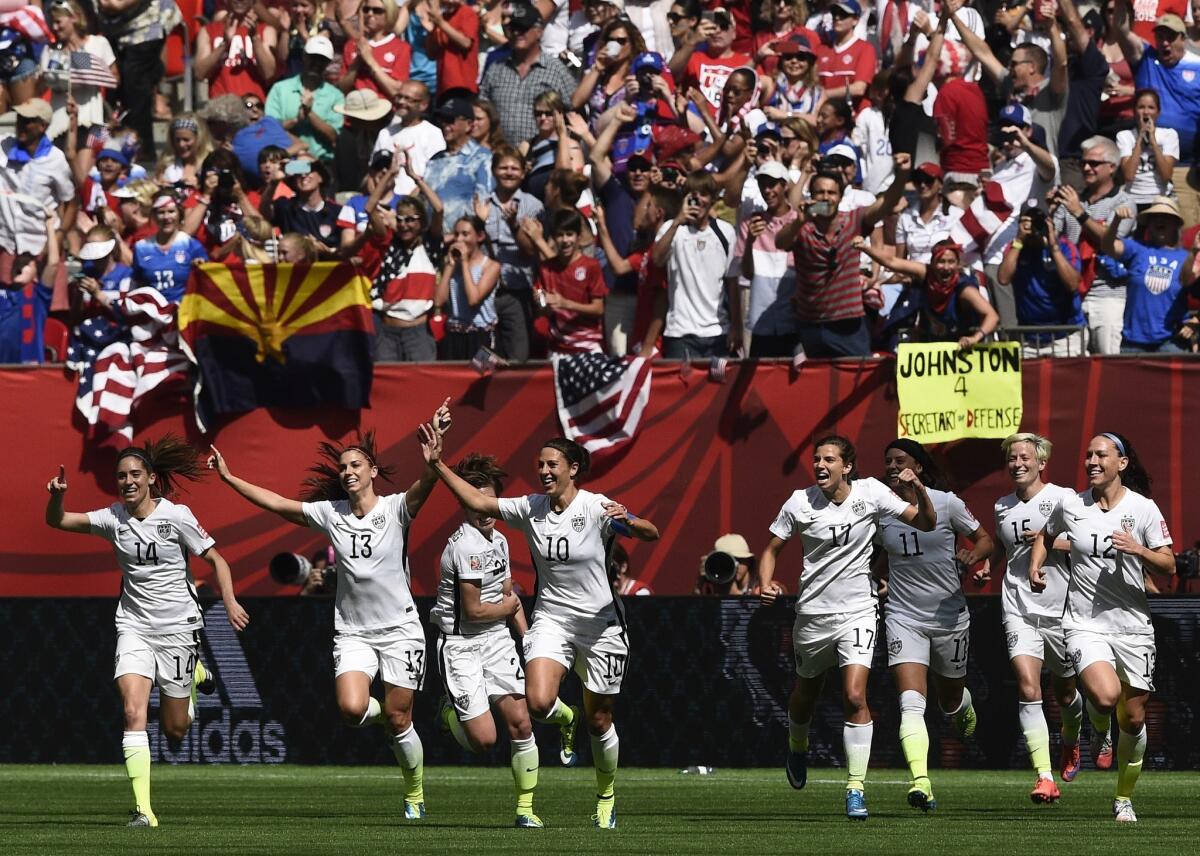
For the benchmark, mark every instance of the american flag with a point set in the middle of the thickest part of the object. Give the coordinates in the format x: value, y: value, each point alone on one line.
x: 30, y: 22
x: 601, y: 398
x: 121, y: 361
x: 87, y: 69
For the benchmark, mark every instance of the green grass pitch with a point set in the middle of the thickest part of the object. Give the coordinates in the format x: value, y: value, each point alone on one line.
x: 303, y: 811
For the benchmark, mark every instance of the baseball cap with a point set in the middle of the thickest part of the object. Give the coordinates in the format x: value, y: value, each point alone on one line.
x: 930, y: 169
x: 1171, y: 22
x: 114, y: 154
x: 35, y: 108
x: 649, y: 61
x: 646, y: 157
x: 455, y: 108
x: 94, y: 250
x: 524, y: 16
x: 319, y: 46
x: 797, y: 43
x: 768, y: 129
x: 849, y: 6
x: 841, y: 150
x: 364, y: 104
x: 733, y: 544
x: 771, y: 169
x: 1016, y: 114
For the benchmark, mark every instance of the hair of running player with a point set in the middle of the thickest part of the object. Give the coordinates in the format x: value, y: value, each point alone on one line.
x: 931, y: 474
x: 1041, y: 446
x: 1134, y: 476
x: 573, y: 452
x: 170, y: 457
x: 481, y: 471
x: 845, y: 449
x: 325, y: 483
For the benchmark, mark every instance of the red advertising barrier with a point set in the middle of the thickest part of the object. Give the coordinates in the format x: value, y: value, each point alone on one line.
x: 710, y: 458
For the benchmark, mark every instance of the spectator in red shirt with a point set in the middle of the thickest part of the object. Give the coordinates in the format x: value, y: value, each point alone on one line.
x: 572, y: 286
x: 375, y: 57
x: 786, y: 19
x: 845, y: 69
x: 237, y: 55
x: 708, y: 68
x: 454, y: 44
x: 959, y: 111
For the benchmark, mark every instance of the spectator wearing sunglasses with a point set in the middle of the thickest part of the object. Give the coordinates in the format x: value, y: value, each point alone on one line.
x: 376, y: 58
x: 845, y: 69
x: 515, y: 82
x: 310, y: 211
x: 461, y: 171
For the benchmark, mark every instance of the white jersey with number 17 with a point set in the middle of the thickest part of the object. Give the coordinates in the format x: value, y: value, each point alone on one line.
x: 837, y: 542
x: 570, y: 553
x: 158, y: 594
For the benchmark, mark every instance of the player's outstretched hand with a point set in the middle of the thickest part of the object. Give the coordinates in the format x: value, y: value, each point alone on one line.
x: 1037, y: 579
x: 216, y: 461
x: 769, y: 592
x: 442, y: 419
x: 238, y: 616
x: 431, y: 443
x: 58, y: 485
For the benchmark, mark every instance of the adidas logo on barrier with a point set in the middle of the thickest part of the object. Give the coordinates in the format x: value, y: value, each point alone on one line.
x: 229, y: 727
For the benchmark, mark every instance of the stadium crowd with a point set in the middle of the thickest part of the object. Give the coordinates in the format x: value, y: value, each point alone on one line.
x: 764, y: 178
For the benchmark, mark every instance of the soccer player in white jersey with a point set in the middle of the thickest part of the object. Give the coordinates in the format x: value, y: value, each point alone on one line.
x: 578, y: 620
x: 1033, y: 619
x: 836, y: 609
x: 158, y: 617
x: 1117, y: 535
x: 376, y: 626
x: 478, y: 659
x: 926, y: 618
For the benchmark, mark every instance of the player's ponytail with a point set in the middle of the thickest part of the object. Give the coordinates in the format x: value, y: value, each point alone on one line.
x: 169, y: 458
x: 481, y: 471
x: 1134, y: 476
x: 325, y: 482
x: 931, y: 474
x: 573, y: 452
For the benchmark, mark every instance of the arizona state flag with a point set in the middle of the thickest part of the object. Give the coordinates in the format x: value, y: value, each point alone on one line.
x: 277, y: 336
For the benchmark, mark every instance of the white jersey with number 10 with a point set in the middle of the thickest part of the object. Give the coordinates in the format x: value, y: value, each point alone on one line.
x: 837, y: 542
x: 570, y: 553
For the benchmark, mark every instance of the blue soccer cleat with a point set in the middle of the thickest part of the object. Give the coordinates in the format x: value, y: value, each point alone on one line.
x: 920, y: 795
x: 529, y: 821
x: 414, y: 810
x: 856, y: 805
x: 796, y: 768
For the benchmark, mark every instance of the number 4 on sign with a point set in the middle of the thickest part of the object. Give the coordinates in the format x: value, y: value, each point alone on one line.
x: 960, y: 386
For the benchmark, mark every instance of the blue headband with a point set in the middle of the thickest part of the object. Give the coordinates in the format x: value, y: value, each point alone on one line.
x: 1116, y: 441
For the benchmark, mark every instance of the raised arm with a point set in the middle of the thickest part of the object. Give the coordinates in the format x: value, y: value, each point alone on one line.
x: 416, y: 495
x: 291, y: 510
x: 1058, y: 60
x: 886, y: 203
x: 1131, y: 43
x: 977, y: 46
x: 467, y: 494
x: 67, y: 521
x: 1114, y: 246
x: 908, y: 267
x: 922, y: 515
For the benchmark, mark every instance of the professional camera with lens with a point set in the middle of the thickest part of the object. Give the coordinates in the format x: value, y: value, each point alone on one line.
x: 719, y: 570
x: 1037, y: 221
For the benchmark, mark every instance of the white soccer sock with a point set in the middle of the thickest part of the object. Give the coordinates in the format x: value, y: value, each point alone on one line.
x: 371, y: 714
x: 410, y: 755
x: 797, y: 736
x: 856, y: 739
x: 1037, y: 736
x: 1072, y: 718
x: 605, y: 752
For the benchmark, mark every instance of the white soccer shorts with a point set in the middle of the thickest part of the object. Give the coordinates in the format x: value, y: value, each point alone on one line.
x: 479, y: 669
x: 1131, y: 655
x: 1041, y: 638
x: 597, y: 650
x: 821, y: 642
x: 168, y: 660
x: 943, y: 651
x: 397, y: 654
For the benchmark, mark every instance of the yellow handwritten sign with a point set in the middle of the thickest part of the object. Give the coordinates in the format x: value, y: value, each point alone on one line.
x: 947, y: 393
